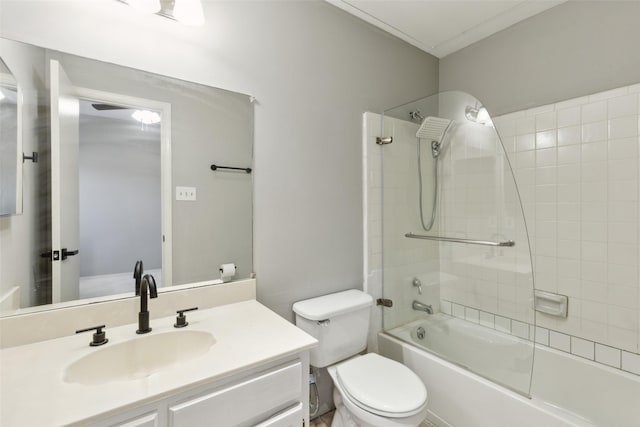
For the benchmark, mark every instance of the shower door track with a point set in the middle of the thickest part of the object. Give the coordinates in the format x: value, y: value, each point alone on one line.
x: 454, y: 240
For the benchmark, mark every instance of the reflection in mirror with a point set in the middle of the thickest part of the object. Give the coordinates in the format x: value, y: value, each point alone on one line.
x: 108, y: 181
x: 121, y: 146
x: 10, y: 154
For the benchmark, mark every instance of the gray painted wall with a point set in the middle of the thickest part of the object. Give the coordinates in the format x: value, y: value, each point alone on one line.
x: 577, y: 48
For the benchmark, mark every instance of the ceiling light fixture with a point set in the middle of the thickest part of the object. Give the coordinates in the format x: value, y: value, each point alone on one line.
x: 1, y: 95
x: 146, y: 117
x: 478, y: 114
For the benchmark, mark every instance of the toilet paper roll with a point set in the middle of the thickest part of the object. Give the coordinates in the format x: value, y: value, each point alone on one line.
x: 227, y: 271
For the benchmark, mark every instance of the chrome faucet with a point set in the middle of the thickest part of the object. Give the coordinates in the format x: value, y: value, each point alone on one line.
x: 148, y: 283
x: 417, y: 305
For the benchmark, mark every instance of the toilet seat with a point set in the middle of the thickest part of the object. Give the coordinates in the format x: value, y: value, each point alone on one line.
x: 382, y: 386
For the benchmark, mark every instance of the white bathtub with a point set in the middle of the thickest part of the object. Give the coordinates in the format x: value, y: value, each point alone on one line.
x: 566, y: 390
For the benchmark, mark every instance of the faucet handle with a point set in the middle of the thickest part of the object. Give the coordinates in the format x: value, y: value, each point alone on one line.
x: 181, y: 319
x: 99, y: 337
x: 417, y: 284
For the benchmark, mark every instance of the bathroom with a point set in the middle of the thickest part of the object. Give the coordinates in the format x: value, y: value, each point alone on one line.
x: 313, y: 70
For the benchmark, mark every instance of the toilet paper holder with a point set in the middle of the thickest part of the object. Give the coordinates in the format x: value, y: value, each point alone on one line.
x: 227, y: 271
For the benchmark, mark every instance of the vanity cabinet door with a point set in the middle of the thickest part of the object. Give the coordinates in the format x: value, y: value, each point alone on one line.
x: 245, y: 403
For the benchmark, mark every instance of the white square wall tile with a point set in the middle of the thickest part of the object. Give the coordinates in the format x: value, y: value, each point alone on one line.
x: 559, y: 341
x: 445, y: 307
x: 546, y: 157
x: 582, y: 348
x: 457, y: 310
x: 631, y: 362
x: 471, y: 315
x: 572, y: 103
x: 596, y: 131
x: 608, y: 94
x: 503, y: 324
x: 542, y: 335
x: 525, y: 142
x: 525, y: 125
x: 487, y: 319
x: 623, y: 106
x: 608, y: 355
x: 546, y: 121
x: 594, y: 112
x: 569, y: 135
x: 568, y: 211
x: 569, y: 154
x: 623, y: 127
x: 546, y: 139
x: 568, y: 117
x: 520, y: 329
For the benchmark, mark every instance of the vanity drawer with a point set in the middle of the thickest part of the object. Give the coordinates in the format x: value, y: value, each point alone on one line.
x: 244, y: 403
x: 288, y: 418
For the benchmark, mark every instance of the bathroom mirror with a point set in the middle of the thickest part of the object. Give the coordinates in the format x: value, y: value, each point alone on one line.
x: 124, y: 174
x: 10, y: 151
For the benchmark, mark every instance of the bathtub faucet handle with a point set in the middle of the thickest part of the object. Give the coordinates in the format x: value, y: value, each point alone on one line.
x: 417, y: 284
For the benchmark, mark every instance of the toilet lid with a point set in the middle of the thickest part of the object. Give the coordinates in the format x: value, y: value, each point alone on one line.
x: 382, y: 386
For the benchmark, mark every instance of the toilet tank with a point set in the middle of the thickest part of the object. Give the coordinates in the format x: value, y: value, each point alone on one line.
x: 340, y: 323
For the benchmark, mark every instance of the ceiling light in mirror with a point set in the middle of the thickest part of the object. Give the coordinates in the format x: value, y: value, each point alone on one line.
x: 1, y: 95
x: 146, y: 117
x: 188, y: 12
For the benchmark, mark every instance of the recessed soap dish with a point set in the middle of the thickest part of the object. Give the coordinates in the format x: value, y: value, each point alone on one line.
x: 550, y: 303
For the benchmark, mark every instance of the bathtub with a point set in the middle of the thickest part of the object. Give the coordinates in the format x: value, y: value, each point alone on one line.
x: 565, y: 390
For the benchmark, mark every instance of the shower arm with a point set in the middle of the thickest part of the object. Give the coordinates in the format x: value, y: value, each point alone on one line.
x: 507, y: 243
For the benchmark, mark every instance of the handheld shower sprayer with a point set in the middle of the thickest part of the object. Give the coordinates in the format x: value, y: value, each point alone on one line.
x: 432, y: 129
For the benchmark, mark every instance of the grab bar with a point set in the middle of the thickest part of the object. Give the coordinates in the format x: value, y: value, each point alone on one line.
x: 454, y: 240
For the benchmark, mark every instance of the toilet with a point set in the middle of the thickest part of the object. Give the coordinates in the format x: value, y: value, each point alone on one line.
x: 369, y: 390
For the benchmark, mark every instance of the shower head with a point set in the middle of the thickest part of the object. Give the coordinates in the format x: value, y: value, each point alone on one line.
x: 433, y: 128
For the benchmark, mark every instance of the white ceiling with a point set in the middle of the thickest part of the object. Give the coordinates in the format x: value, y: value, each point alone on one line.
x: 441, y: 27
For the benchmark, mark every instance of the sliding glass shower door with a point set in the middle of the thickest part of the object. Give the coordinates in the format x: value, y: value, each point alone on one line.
x: 456, y: 258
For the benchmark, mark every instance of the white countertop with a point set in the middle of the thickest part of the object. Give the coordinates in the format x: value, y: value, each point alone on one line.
x: 33, y: 393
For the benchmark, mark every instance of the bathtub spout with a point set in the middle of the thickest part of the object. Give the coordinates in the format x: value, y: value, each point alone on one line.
x: 427, y: 308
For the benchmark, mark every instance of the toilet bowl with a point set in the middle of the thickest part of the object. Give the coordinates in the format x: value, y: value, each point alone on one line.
x: 373, y: 391
x: 369, y: 390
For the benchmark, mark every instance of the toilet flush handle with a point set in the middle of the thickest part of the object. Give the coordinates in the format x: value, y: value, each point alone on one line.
x: 324, y: 322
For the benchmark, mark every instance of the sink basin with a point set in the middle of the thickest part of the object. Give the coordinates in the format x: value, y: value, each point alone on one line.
x: 138, y: 357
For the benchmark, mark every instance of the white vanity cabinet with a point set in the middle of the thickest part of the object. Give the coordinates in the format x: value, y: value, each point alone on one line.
x: 253, y: 372
x: 272, y: 395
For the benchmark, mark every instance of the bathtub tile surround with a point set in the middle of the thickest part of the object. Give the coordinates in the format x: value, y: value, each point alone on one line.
x: 581, y: 197
x: 597, y: 352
